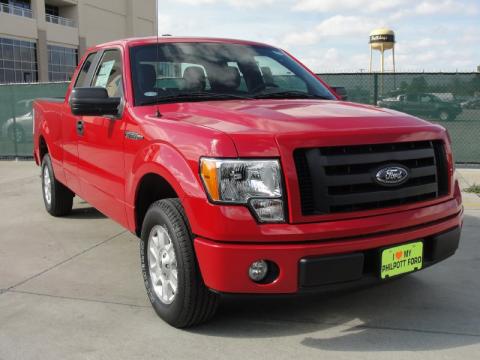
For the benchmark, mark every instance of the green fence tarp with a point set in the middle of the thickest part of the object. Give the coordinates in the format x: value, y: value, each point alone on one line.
x: 449, y: 99
x: 16, y: 115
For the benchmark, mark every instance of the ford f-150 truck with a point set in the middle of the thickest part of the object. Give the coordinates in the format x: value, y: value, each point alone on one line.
x: 242, y: 172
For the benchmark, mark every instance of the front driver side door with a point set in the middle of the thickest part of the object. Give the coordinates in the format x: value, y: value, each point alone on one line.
x: 411, y: 105
x: 100, y: 145
x: 69, y: 127
x: 427, y: 103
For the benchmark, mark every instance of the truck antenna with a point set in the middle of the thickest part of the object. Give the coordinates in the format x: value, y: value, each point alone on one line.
x: 158, y: 114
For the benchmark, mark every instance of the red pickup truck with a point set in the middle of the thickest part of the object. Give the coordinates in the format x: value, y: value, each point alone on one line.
x: 242, y: 172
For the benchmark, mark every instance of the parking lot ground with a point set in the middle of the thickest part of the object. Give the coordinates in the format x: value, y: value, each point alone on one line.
x: 71, y: 288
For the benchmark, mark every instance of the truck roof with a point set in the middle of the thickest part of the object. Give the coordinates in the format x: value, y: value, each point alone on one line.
x: 173, y: 39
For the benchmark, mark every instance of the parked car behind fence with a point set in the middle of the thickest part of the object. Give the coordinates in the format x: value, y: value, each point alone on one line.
x: 422, y: 104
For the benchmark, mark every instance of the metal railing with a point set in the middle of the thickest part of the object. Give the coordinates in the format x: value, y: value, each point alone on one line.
x: 60, y: 20
x: 16, y: 10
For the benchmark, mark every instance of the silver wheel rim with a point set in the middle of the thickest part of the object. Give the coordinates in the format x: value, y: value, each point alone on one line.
x: 47, y: 185
x: 443, y: 116
x: 162, y: 264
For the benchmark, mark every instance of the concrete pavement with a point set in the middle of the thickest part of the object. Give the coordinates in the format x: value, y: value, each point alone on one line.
x: 467, y: 178
x: 71, y: 288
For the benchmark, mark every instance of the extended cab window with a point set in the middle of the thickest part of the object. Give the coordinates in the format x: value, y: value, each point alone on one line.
x: 82, y: 76
x: 109, y: 73
x: 183, y: 72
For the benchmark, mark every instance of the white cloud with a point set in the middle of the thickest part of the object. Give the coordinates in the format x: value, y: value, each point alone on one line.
x: 236, y: 3
x: 332, y: 35
x: 334, y: 27
x: 444, y: 7
x: 421, y: 54
x: 434, y: 59
x: 342, y: 5
x: 438, y: 7
x: 410, y: 46
x: 398, y: 8
x: 335, y: 60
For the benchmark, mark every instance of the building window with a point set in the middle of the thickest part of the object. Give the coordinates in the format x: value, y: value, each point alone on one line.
x: 52, y: 15
x: 52, y: 10
x: 16, y: 7
x: 18, y: 61
x: 24, y: 4
x: 62, y: 62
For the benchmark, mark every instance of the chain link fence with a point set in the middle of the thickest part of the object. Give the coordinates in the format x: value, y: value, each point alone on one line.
x: 16, y: 140
x: 449, y: 99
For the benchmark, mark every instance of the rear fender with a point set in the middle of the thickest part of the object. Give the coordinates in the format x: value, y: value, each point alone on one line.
x: 47, y: 125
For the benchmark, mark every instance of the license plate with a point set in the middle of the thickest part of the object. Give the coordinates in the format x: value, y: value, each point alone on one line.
x: 401, y: 259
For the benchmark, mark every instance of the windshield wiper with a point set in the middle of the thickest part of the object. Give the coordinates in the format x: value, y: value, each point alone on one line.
x: 198, y: 96
x: 291, y: 94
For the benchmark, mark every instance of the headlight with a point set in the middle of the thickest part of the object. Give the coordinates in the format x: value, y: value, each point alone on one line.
x: 256, y: 183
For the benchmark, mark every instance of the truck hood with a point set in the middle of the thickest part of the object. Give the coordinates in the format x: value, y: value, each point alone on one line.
x: 258, y: 126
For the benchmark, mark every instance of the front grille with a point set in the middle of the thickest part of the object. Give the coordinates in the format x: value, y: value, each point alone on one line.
x: 341, y: 179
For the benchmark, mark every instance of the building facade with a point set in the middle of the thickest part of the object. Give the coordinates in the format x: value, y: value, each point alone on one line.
x: 42, y: 40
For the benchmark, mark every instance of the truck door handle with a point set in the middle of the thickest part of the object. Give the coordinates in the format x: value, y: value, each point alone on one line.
x: 80, y: 127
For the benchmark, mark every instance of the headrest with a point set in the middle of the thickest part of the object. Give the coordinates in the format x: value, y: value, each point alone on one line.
x: 267, y: 75
x: 194, y: 77
x: 227, y: 78
x: 148, y: 77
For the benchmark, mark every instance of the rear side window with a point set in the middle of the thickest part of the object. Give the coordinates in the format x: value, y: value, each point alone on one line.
x: 82, y: 76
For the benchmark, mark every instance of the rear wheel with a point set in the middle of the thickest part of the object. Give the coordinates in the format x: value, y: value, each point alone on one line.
x: 57, y: 197
x: 170, y: 270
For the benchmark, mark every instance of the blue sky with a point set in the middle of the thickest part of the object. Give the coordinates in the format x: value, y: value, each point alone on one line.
x: 332, y: 35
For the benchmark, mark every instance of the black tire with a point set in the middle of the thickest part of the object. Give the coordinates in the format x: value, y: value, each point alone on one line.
x: 193, y: 303
x: 16, y: 134
x: 61, y: 200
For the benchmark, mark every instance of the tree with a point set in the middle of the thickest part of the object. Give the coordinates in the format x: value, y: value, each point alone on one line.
x: 418, y: 85
x: 404, y: 86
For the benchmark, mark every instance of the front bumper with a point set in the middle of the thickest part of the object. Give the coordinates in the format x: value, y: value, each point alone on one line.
x: 224, y: 266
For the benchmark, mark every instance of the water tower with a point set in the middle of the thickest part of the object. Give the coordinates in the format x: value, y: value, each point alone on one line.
x: 382, y: 39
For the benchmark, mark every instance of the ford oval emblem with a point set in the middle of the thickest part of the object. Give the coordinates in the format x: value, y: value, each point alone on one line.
x: 392, y: 175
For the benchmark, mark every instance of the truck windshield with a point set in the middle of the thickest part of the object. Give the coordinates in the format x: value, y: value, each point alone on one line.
x: 181, y: 72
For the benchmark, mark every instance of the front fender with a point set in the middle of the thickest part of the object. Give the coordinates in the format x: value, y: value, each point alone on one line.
x: 164, y: 160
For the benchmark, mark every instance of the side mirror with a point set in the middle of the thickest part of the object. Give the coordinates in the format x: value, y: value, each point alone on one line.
x: 93, y: 102
x: 341, y: 92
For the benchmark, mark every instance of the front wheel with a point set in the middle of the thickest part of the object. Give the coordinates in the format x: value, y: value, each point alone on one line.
x: 170, y: 270
x: 445, y: 115
x: 57, y: 197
